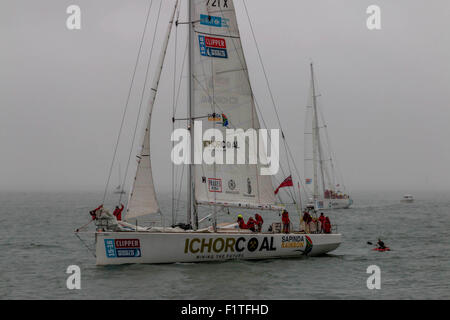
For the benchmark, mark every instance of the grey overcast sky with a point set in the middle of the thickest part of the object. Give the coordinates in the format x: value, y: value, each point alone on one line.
x: 385, y: 94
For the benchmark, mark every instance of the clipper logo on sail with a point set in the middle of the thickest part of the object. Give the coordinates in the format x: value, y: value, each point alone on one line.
x: 213, y: 47
x: 122, y: 248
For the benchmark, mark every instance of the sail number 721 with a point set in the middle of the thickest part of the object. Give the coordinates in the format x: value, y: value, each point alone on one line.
x: 217, y: 3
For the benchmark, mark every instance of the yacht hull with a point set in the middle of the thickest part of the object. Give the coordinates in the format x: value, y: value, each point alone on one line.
x: 330, y: 204
x: 115, y: 248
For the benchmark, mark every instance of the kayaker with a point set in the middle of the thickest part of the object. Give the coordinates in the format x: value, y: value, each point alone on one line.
x: 381, y: 244
x: 259, y: 222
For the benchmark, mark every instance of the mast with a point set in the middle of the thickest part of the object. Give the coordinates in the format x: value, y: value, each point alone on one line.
x: 317, y: 150
x: 190, y: 185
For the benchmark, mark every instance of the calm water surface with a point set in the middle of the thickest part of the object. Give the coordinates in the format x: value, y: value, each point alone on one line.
x: 37, y: 245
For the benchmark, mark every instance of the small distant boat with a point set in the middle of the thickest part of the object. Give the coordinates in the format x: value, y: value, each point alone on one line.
x: 407, y: 198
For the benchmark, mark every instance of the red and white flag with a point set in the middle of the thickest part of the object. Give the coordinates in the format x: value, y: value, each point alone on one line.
x: 286, y: 183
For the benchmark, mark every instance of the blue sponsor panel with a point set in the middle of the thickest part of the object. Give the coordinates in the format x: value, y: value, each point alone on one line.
x: 122, y: 248
x: 210, y: 21
x: 110, y: 248
x: 216, y: 53
x: 128, y: 253
x: 213, y: 21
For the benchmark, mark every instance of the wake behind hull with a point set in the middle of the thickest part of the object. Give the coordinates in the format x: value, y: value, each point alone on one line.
x: 114, y: 248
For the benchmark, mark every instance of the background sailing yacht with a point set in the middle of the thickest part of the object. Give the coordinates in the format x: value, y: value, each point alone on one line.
x: 324, y: 187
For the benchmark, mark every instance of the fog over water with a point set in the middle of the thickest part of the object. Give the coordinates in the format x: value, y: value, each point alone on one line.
x: 385, y: 94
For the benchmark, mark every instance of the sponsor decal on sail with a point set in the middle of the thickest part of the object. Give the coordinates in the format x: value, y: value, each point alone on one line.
x: 122, y: 248
x: 213, y: 47
x: 220, y: 145
x: 215, y: 185
x: 232, y: 187
x: 217, y: 3
x: 219, y: 119
x: 213, y: 21
x: 249, y: 189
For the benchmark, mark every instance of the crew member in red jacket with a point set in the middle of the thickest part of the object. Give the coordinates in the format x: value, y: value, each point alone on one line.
x: 322, y: 221
x: 327, y: 225
x: 241, y: 222
x: 307, y: 217
x: 251, y: 224
x: 118, y: 212
x: 259, y: 222
x: 286, y: 222
x: 93, y: 213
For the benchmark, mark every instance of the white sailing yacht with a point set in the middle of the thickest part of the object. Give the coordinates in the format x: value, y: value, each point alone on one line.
x: 219, y: 88
x: 323, y: 187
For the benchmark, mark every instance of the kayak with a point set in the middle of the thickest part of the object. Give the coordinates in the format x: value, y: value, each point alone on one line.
x: 381, y: 250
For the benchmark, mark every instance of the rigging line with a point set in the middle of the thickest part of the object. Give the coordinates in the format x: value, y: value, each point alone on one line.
x: 216, y: 34
x: 173, y: 112
x: 212, y: 99
x: 89, y: 249
x: 333, y: 158
x: 127, y: 101
x: 267, y: 82
x: 179, y: 194
x: 262, y: 118
x: 220, y: 108
x: 270, y: 140
x: 243, y: 65
x: 181, y: 76
x: 287, y: 190
x: 142, y: 99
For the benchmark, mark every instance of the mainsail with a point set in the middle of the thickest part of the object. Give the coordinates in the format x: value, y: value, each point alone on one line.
x: 222, y: 99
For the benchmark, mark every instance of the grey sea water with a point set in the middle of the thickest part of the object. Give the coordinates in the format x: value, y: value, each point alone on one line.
x: 37, y: 245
